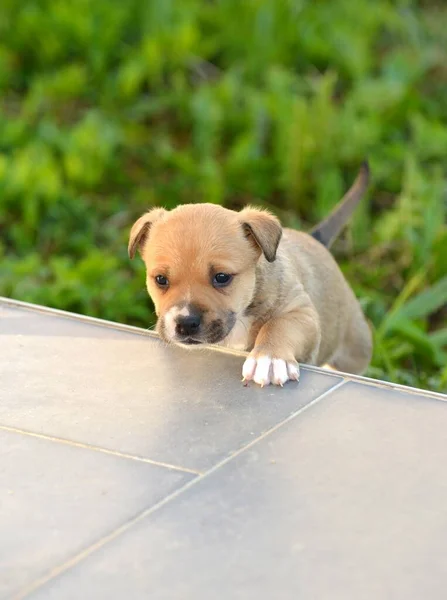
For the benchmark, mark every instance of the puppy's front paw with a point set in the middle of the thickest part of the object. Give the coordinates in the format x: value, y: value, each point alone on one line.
x: 264, y: 369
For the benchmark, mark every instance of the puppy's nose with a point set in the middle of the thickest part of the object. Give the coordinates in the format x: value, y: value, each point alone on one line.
x: 187, y: 325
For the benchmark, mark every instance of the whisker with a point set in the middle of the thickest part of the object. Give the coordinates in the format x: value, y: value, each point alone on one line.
x: 239, y: 320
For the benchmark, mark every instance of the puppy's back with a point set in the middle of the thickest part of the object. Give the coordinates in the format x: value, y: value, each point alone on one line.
x: 324, y: 282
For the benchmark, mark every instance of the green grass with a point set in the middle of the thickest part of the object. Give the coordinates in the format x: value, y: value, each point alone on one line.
x: 110, y: 107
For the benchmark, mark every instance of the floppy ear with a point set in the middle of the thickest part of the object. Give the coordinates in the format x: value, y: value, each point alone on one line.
x: 140, y: 230
x: 263, y: 229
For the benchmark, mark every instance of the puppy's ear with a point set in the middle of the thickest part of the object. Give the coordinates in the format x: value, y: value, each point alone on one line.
x: 263, y: 229
x: 140, y: 230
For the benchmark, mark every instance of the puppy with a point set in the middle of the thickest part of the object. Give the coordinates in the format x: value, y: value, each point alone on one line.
x: 240, y: 280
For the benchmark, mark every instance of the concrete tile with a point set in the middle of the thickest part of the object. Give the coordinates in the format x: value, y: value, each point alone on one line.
x: 19, y: 322
x: 133, y: 394
x: 347, y: 501
x: 56, y: 499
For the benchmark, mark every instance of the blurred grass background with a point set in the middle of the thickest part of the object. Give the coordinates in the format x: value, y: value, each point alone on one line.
x: 108, y: 107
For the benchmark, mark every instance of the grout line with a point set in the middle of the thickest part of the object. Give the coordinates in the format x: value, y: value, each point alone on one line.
x: 380, y: 383
x: 222, y: 349
x: 51, y: 438
x: 72, y: 562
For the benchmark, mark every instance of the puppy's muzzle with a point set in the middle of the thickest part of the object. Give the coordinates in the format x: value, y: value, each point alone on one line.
x: 187, y: 328
x: 189, y: 325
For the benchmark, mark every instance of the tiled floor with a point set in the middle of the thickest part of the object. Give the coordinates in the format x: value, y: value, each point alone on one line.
x: 132, y: 470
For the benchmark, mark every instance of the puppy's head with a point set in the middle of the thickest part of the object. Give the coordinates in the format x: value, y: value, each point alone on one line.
x: 201, y: 266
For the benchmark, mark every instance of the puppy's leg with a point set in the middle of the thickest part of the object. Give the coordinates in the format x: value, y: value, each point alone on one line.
x: 280, y: 343
x: 354, y: 353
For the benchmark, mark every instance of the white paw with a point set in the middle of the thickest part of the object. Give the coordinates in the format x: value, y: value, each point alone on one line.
x: 265, y: 370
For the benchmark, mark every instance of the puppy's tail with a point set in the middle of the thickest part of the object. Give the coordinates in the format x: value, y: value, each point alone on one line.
x: 328, y: 230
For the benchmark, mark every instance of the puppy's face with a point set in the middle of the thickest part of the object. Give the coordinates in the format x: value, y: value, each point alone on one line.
x: 201, y: 267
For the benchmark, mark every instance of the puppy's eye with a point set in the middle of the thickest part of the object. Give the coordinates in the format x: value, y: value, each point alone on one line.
x: 162, y: 281
x: 221, y: 279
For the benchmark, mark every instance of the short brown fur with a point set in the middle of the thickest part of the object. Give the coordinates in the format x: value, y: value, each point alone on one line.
x: 288, y: 299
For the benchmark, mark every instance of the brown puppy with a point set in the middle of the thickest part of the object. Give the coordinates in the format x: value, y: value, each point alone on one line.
x: 240, y: 280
